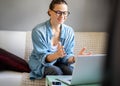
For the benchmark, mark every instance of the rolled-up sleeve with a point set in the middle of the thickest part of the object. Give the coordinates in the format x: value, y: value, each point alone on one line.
x: 41, y: 48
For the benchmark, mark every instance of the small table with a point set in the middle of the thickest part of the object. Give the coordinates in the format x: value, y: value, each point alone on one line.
x: 51, y: 78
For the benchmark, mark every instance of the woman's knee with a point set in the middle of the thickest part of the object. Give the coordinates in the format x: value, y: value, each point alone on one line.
x: 53, y: 70
x: 67, y: 69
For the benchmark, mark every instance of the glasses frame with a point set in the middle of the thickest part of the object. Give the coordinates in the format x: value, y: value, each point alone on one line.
x: 59, y: 13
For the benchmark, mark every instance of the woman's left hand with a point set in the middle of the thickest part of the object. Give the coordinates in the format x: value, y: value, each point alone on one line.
x: 82, y: 52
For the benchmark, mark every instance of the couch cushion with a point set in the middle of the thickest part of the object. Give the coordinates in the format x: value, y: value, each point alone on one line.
x: 28, y: 46
x: 13, y: 41
x: 26, y: 81
x: 10, y: 78
x: 95, y: 42
x: 10, y: 61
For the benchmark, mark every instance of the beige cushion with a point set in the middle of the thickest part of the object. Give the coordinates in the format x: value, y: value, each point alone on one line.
x: 93, y: 41
x: 27, y: 82
x: 29, y: 45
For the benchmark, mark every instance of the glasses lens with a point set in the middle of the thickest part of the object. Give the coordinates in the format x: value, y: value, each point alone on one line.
x: 59, y: 13
x: 65, y: 13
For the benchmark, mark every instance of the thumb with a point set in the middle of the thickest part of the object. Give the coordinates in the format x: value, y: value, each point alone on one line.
x: 58, y: 45
x: 82, y: 51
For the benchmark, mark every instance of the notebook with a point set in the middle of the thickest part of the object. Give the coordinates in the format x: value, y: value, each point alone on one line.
x: 87, y: 70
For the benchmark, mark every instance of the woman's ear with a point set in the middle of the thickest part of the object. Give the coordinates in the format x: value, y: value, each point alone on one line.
x: 49, y: 12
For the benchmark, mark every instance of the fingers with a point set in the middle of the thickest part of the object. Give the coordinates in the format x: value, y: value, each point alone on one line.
x: 58, y: 46
x: 82, y: 52
x: 61, y: 51
x: 89, y: 53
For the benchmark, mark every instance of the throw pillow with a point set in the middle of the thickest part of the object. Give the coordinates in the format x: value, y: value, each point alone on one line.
x: 10, y: 61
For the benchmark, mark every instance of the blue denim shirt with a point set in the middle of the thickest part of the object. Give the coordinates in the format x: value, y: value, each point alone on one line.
x: 41, y: 39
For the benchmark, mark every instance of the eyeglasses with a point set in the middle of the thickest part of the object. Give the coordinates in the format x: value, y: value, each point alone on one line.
x: 59, y: 13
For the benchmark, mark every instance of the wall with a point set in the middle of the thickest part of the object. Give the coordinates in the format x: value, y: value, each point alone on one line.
x: 23, y: 15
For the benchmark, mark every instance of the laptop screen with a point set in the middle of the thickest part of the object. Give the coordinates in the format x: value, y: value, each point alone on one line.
x: 88, y: 69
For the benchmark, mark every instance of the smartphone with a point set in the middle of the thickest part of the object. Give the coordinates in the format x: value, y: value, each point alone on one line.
x: 56, y: 83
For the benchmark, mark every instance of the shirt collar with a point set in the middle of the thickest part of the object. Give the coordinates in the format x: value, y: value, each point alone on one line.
x: 49, y: 28
x: 62, y: 31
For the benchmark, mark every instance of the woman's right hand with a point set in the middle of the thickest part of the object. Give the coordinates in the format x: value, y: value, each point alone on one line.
x: 60, y: 51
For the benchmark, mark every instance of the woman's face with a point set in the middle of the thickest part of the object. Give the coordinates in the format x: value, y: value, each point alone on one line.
x: 58, y: 14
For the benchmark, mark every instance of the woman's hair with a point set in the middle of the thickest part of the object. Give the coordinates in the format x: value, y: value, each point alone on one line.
x: 52, y: 4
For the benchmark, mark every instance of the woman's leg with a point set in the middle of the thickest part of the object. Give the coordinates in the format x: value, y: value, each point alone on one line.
x: 52, y: 70
x: 66, y: 69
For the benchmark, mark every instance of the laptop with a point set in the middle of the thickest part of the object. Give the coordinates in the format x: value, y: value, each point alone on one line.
x: 87, y: 70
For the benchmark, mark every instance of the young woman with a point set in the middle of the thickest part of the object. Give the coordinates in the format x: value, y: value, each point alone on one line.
x: 53, y: 44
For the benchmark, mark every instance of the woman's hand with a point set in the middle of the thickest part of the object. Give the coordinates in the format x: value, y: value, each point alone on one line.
x: 60, y: 51
x: 82, y: 52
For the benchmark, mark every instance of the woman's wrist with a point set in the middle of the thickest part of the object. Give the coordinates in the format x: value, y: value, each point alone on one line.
x: 56, y: 55
x: 71, y: 60
x: 52, y: 57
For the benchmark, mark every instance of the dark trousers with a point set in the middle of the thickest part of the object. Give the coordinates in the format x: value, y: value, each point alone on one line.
x: 58, y: 69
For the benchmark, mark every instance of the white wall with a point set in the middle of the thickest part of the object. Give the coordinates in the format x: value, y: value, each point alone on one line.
x: 86, y: 15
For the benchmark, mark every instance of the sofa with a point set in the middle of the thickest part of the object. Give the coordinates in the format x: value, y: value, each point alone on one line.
x: 19, y: 44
